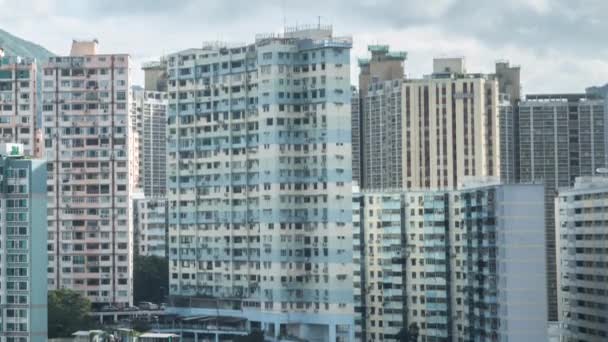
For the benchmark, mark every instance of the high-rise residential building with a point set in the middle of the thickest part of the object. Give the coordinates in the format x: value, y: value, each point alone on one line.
x: 87, y: 129
x: 38, y: 144
x: 136, y: 118
x: 383, y: 65
x: 150, y: 226
x: 259, y: 183
x: 155, y: 75
x: 150, y: 123
x: 599, y: 92
x: 23, y: 252
x: 509, y: 88
x: 355, y: 124
x: 18, y: 102
x: 451, y: 265
x: 509, y: 140
x: 561, y: 137
x: 581, y: 232
x: 431, y: 132
x: 508, y: 77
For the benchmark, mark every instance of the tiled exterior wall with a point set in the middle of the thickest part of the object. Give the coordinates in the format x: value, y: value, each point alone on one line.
x: 87, y: 129
x: 259, y: 181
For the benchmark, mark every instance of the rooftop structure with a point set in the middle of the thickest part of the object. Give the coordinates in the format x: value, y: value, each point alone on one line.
x: 84, y: 47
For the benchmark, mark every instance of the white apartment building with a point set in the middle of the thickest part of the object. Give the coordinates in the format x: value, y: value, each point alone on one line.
x: 259, y: 183
x: 581, y: 231
x: 150, y: 226
x: 23, y: 291
x: 151, y: 140
x: 87, y: 129
x: 18, y: 102
x: 458, y: 265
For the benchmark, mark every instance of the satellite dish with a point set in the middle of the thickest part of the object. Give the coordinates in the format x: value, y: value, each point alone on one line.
x: 601, y: 170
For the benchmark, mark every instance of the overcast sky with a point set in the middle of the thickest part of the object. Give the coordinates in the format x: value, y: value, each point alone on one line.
x: 560, y: 44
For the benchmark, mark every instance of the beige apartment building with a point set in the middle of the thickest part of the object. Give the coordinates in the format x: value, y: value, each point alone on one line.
x: 428, y: 133
x: 87, y: 130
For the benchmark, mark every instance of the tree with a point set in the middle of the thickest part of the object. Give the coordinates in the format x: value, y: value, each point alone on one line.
x: 414, y: 331
x: 68, y: 311
x: 140, y: 325
x: 410, y: 334
x: 150, y: 278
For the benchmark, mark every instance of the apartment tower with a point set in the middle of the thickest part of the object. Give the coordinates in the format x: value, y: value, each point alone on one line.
x: 429, y: 133
x: 155, y: 75
x: 561, y: 137
x: 151, y: 139
x: 509, y: 139
x: 18, y: 102
x: 150, y: 226
x: 458, y: 265
x: 509, y: 88
x: 383, y: 65
x: 581, y: 230
x: 259, y: 183
x: 23, y: 290
x: 87, y: 130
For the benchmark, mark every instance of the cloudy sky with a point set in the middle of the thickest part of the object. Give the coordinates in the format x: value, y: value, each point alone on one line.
x: 560, y: 44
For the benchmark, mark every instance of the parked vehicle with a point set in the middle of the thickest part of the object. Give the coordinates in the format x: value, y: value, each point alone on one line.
x: 148, y: 306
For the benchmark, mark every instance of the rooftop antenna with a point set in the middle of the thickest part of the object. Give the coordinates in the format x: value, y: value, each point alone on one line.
x: 284, y: 17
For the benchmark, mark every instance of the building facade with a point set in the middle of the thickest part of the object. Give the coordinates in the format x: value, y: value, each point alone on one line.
x: 509, y: 146
x: 429, y: 133
x: 450, y: 264
x: 561, y: 137
x: 18, y: 102
x: 509, y: 88
x: 581, y: 229
x: 155, y: 75
x: 150, y: 226
x: 355, y: 124
x: 23, y: 314
x: 151, y: 139
x: 91, y: 172
x: 508, y: 77
x: 384, y: 65
x: 259, y: 182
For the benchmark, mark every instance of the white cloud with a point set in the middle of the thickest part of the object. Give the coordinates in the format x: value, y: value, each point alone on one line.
x: 556, y: 42
x: 539, y: 6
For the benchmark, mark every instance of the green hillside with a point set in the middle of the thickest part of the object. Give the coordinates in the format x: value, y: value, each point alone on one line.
x: 15, y: 46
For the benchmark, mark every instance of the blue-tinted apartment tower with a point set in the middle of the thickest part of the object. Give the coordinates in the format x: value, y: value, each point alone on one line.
x: 23, y: 256
x: 259, y: 183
